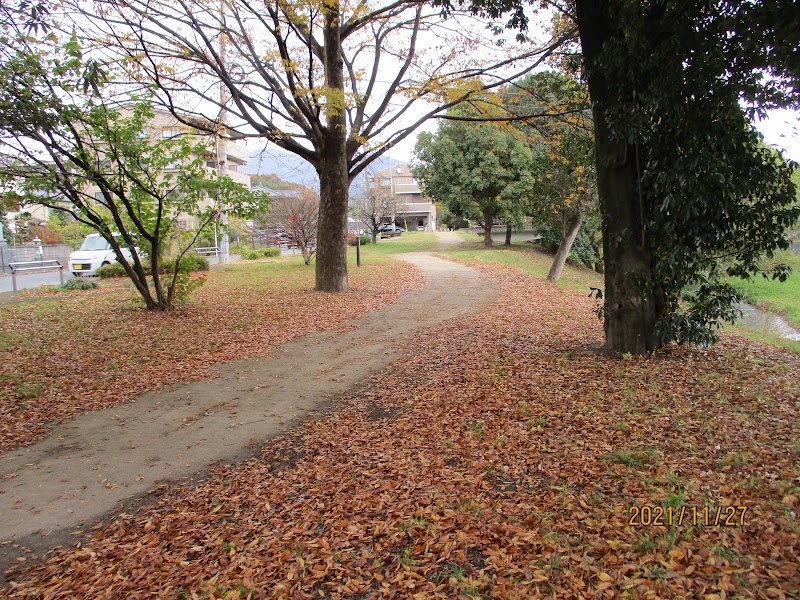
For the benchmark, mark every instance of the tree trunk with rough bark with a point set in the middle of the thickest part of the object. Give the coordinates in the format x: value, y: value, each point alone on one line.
x: 508, y: 234
x: 630, y: 307
x: 574, y: 226
x: 331, y: 265
x: 488, y: 220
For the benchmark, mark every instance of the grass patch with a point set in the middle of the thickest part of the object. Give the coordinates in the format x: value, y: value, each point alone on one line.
x: 406, y: 557
x: 645, y: 545
x: 382, y: 252
x: 27, y: 390
x: 453, y: 571
x: 728, y: 554
x: 629, y: 458
x: 775, y: 296
x: 527, y: 259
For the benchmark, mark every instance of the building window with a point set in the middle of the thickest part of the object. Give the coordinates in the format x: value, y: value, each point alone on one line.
x: 170, y: 132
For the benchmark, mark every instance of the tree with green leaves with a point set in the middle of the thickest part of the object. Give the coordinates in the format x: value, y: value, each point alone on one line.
x: 63, y: 145
x: 564, y: 191
x: 70, y: 231
x: 689, y: 194
x: 479, y: 171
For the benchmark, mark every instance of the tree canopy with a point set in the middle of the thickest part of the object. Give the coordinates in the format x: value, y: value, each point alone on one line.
x: 64, y: 145
x: 478, y: 170
x: 564, y: 191
x: 332, y: 82
x: 686, y: 183
x: 689, y: 194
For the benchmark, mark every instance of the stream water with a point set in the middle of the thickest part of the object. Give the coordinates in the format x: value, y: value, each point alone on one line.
x: 755, y: 318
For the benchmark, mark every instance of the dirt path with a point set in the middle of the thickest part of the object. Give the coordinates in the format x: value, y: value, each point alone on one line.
x: 100, y: 462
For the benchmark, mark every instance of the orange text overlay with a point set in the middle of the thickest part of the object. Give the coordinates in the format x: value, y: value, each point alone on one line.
x: 645, y: 516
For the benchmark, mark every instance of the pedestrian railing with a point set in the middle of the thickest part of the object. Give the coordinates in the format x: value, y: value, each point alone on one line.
x: 35, y: 265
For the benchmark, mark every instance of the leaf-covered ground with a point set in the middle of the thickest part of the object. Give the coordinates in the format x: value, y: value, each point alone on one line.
x: 66, y: 353
x: 504, y: 460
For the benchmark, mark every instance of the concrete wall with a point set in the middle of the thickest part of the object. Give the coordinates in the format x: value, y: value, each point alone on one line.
x: 59, y: 252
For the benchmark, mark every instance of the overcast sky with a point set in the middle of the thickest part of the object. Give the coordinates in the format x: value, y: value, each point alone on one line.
x: 781, y: 130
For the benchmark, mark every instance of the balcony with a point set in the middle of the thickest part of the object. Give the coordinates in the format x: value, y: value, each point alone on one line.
x: 237, y: 153
x: 414, y: 207
x: 242, y: 178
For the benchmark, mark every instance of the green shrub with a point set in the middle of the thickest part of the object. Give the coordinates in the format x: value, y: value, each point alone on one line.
x: 110, y: 271
x: 185, y: 285
x: 352, y: 239
x: 261, y: 253
x: 581, y: 251
x: 78, y: 283
x: 189, y: 264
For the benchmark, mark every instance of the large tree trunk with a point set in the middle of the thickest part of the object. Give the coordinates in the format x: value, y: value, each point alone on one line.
x: 331, y: 266
x: 488, y: 220
x: 508, y: 234
x: 574, y: 226
x: 630, y: 308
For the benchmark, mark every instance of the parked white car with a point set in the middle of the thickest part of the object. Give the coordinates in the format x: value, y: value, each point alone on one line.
x: 94, y: 252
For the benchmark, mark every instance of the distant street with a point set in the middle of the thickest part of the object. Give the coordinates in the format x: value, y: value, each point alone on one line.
x: 31, y: 280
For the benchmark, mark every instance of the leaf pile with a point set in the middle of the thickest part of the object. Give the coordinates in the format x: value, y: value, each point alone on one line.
x: 72, y: 353
x: 500, y: 461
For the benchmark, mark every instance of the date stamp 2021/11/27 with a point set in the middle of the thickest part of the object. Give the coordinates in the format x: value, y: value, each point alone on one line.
x: 707, y: 516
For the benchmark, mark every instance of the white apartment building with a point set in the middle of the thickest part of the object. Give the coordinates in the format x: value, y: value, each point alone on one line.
x: 411, y: 207
x: 164, y: 125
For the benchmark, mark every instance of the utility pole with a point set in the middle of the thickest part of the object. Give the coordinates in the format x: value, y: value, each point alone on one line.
x: 391, y: 190
x: 222, y: 154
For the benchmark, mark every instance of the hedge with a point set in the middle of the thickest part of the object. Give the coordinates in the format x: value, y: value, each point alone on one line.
x: 261, y: 253
x: 352, y: 239
x: 189, y: 264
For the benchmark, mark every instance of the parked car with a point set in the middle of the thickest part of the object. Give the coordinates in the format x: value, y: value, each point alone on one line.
x: 388, y: 227
x: 94, y: 253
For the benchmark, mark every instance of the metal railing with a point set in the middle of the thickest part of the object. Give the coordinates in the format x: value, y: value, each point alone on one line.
x: 207, y: 251
x: 35, y: 265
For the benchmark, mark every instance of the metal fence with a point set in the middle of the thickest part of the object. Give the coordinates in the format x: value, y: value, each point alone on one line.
x: 29, y: 252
